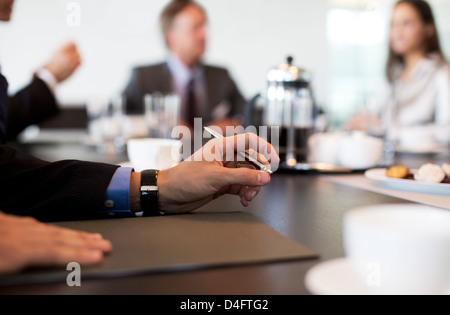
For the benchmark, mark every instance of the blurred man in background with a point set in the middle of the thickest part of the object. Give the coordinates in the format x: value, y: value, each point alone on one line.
x: 206, y: 92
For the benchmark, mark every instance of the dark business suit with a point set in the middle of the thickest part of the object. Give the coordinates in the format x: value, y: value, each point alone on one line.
x: 66, y: 190
x: 30, y: 106
x: 3, y: 108
x: 220, y: 89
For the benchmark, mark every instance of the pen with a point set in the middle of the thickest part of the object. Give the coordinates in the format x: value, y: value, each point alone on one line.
x: 243, y: 154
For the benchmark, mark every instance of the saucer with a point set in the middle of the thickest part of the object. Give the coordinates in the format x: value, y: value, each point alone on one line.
x: 337, y: 277
x: 432, y: 149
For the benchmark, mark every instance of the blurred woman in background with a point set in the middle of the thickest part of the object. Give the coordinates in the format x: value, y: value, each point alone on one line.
x: 416, y: 99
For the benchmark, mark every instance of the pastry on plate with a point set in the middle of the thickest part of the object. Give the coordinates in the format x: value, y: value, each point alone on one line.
x: 398, y: 171
x: 446, y: 168
x: 430, y: 173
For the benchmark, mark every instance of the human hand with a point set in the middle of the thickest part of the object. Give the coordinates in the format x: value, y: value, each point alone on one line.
x: 211, y: 172
x: 25, y: 242
x: 363, y: 122
x: 64, y: 62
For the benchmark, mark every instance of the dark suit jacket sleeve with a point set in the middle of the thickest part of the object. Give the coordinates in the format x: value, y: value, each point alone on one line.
x: 134, y: 94
x: 66, y: 190
x: 31, y: 105
x: 236, y: 99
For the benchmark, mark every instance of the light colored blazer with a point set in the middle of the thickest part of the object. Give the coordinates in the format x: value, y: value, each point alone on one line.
x: 422, y: 101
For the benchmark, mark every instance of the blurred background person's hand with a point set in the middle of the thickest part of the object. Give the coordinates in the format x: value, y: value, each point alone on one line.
x: 364, y: 121
x: 64, y: 62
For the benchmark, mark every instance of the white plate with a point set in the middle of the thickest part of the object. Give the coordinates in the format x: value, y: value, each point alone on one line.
x: 337, y: 277
x: 36, y: 135
x: 424, y: 150
x: 379, y: 174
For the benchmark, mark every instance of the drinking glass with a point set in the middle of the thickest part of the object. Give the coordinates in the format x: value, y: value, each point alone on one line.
x: 162, y: 113
x: 105, y: 124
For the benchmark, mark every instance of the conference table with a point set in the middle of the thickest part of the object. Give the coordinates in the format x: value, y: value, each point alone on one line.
x: 305, y: 207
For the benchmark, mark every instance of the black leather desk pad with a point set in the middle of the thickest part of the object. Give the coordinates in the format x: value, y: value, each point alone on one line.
x: 177, y: 243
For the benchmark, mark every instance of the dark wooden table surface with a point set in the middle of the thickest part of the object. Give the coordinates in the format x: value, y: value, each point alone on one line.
x: 304, y: 207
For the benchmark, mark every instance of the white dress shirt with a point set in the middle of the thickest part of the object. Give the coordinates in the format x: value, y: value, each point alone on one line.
x: 45, y: 76
x: 423, y: 100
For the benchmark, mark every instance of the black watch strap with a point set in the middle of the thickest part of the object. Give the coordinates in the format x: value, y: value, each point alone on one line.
x: 149, y: 193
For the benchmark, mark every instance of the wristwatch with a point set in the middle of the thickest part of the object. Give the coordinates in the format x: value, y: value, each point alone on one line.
x: 149, y: 193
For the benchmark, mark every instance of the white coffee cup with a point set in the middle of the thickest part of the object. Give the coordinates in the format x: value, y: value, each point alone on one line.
x: 160, y: 154
x: 359, y: 151
x: 417, y: 138
x: 324, y: 147
x: 400, y: 249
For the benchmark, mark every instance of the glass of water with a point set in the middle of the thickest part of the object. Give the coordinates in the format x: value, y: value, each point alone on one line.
x: 162, y: 113
x: 105, y: 124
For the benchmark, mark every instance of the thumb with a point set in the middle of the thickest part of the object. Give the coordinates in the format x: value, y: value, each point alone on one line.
x: 245, y: 177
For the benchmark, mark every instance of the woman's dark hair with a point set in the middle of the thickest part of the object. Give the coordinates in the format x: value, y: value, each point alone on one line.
x: 432, y: 44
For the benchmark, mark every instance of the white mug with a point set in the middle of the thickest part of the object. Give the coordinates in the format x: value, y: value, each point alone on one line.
x: 400, y: 249
x: 359, y: 151
x: 160, y: 154
x: 324, y: 148
x: 418, y: 138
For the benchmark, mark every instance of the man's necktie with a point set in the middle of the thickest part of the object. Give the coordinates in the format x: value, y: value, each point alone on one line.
x: 191, y: 104
x: 3, y: 108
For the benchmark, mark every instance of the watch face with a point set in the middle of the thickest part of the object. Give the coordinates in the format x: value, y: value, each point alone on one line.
x: 149, y: 188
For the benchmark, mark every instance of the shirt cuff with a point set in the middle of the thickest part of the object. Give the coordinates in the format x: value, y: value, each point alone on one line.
x: 117, y: 196
x: 48, y: 78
